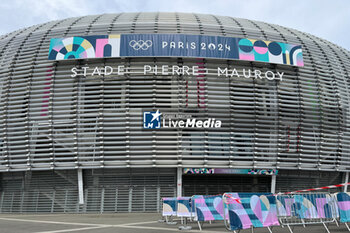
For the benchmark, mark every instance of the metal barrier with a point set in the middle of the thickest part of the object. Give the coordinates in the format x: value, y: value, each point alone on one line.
x: 250, y: 210
x: 208, y: 208
x: 336, y: 212
x: 169, y: 209
x: 256, y: 210
x: 343, y: 201
x: 303, y: 209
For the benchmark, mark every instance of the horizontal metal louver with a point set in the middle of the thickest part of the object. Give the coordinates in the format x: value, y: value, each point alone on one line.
x: 53, y: 121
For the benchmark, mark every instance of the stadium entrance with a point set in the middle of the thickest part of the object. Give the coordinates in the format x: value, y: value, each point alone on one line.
x: 216, y: 184
x: 212, y: 181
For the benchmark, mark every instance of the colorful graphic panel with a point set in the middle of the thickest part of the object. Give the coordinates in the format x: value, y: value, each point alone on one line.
x: 251, y: 209
x: 175, y: 45
x: 184, y: 207
x: 169, y: 206
x: 84, y: 47
x: 230, y: 171
x: 198, y: 170
x: 272, y: 52
x: 209, y: 208
x: 307, y: 206
x: 344, y: 206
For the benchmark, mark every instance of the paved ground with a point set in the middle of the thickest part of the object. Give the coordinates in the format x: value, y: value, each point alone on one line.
x: 120, y: 223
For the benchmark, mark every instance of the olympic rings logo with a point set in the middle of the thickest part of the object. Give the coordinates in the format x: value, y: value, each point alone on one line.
x: 137, y: 45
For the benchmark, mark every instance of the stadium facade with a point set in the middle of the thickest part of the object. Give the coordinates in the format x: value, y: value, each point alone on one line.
x: 111, y: 112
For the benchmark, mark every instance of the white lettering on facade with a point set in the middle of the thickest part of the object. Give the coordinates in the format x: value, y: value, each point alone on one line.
x: 174, y: 70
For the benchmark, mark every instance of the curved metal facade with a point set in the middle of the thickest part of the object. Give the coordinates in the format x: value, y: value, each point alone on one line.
x: 53, y: 121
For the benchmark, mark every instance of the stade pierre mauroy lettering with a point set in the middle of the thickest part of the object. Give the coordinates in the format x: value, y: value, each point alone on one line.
x: 166, y: 70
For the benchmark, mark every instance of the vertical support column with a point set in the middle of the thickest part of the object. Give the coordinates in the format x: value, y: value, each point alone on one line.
x: 85, y: 198
x: 102, y: 200
x: 2, y: 200
x: 345, y: 189
x: 65, y: 202
x: 273, y: 183
x: 179, y: 182
x: 116, y: 200
x: 37, y: 202
x: 158, y: 199
x: 130, y: 200
x: 22, y: 201
x: 53, y: 200
x: 80, y: 186
x: 13, y: 197
x: 144, y: 198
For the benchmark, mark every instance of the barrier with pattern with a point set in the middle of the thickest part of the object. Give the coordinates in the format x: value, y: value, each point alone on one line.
x: 184, y: 207
x: 169, y: 206
x: 307, y: 206
x: 209, y: 208
x: 344, y: 206
x: 248, y: 210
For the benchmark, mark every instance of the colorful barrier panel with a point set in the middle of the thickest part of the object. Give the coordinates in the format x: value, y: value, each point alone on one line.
x: 334, y: 197
x: 169, y: 209
x: 307, y: 206
x: 254, y: 210
x: 184, y: 207
x: 185, y: 210
x: 247, y: 210
x: 302, y: 209
x: 169, y: 206
x: 208, y: 208
x: 344, y: 206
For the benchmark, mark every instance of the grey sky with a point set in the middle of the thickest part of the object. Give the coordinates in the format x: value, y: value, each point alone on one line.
x: 329, y: 19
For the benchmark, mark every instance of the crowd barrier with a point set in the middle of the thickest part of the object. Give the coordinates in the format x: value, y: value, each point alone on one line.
x: 186, y: 211
x: 250, y: 210
x: 241, y: 211
x: 169, y: 209
x: 302, y: 209
x: 208, y: 208
x: 343, y: 200
x: 184, y: 207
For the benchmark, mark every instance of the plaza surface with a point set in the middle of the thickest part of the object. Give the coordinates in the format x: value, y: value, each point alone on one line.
x: 123, y: 223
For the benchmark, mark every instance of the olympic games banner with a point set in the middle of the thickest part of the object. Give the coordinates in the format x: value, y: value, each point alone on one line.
x: 175, y: 45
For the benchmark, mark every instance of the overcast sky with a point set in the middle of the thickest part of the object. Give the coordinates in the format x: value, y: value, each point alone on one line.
x: 329, y: 19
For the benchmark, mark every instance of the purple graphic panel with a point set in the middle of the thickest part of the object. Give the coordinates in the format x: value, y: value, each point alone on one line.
x: 209, y: 208
x: 344, y: 206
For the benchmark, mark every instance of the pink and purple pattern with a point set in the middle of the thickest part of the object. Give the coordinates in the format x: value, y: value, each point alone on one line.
x: 307, y: 206
x: 269, y: 51
x: 253, y: 210
x: 209, y: 208
x: 344, y: 206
